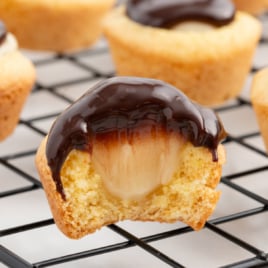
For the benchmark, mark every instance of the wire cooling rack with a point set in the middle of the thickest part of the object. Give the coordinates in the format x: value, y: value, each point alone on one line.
x: 235, y: 236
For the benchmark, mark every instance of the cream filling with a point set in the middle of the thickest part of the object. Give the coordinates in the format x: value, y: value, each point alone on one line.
x: 10, y: 44
x: 193, y: 26
x: 132, y: 171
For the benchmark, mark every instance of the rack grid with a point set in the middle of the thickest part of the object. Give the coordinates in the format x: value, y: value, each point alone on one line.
x: 29, y: 237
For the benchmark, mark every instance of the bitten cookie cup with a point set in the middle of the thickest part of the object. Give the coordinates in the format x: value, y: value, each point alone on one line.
x: 56, y: 25
x: 106, y: 163
x: 259, y: 98
x: 209, y: 67
x: 253, y: 7
x: 189, y: 197
x: 17, y: 76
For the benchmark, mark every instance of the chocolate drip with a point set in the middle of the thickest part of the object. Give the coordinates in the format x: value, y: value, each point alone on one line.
x: 3, y: 32
x: 162, y: 13
x: 128, y: 105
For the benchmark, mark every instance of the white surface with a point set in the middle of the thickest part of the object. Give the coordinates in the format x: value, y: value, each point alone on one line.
x: 193, y: 249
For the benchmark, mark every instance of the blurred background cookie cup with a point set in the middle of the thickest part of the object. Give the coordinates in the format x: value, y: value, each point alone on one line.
x: 209, y: 66
x: 254, y: 7
x: 58, y: 25
x: 17, y: 77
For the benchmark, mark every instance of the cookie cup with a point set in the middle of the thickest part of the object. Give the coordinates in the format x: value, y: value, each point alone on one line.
x: 190, y: 196
x: 253, y: 7
x: 17, y: 76
x: 259, y: 98
x: 55, y: 25
x: 210, y: 67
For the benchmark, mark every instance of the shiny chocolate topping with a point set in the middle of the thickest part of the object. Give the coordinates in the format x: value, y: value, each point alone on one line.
x: 3, y: 32
x: 163, y: 13
x: 122, y: 107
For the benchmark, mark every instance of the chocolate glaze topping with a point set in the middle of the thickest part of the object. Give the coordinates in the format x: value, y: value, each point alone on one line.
x: 125, y: 106
x: 3, y: 32
x: 163, y: 13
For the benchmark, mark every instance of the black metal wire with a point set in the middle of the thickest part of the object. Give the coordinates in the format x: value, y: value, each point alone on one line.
x: 12, y: 259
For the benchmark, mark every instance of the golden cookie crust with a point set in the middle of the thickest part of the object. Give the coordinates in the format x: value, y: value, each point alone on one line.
x: 17, y: 76
x: 253, y: 7
x: 189, y: 197
x: 210, y: 67
x: 259, y: 98
x: 56, y: 25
